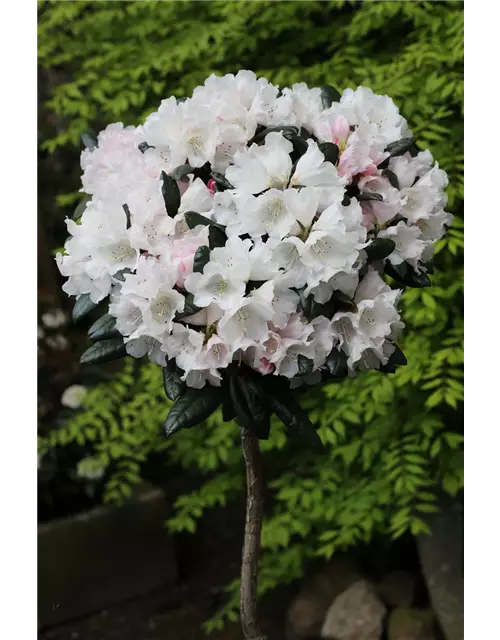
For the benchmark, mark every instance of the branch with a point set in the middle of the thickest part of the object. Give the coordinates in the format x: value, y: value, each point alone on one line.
x: 251, y: 544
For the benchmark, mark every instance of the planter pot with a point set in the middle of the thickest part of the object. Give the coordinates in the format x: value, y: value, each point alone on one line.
x: 98, y: 558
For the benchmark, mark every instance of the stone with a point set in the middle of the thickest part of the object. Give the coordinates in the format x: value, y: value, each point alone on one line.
x: 307, y: 611
x: 356, y: 614
x: 397, y: 589
x: 411, y: 624
x: 103, y: 556
x: 442, y: 561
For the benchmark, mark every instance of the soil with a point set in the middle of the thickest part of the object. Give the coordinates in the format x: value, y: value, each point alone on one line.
x: 208, y: 561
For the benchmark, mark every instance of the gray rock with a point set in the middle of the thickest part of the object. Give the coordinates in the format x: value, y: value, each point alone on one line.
x: 411, y: 624
x: 307, y: 611
x: 397, y: 589
x: 442, y: 560
x: 356, y: 614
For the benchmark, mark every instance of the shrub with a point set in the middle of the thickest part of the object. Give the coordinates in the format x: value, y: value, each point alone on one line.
x: 392, y: 441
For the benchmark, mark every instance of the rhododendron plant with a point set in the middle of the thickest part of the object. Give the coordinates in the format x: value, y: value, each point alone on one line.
x: 241, y: 238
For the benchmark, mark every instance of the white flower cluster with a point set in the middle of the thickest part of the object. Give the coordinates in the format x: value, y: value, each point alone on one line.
x: 252, y: 224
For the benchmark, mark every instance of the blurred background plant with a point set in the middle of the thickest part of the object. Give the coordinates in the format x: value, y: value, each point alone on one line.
x: 393, y: 442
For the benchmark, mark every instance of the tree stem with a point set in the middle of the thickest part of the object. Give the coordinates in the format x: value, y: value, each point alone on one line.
x: 251, y: 543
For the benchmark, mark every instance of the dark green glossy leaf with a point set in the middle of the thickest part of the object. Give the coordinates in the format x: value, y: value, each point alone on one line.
x: 127, y: 214
x: 83, y: 306
x: 400, y: 147
x: 172, y: 383
x: 330, y: 151
x: 171, y: 194
x: 406, y: 274
x: 250, y: 404
x: 379, y: 249
x: 194, y: 406
x: 336, y: 363
x: 194, y: 219
x: 181, y: 171
x: 363, y: 197
x: 104, y: 351
x: 221, y: 181
x: 216, y: 237
x: 306, y: 303
x: 89, y: 142
x: 300, y: 145
x: 104, y: 328
x: 120, y: 275
x: 397, y: 359
x: 144, y: 146
x: 286, y: 130
x: 293, y: 416
x: 343, y: 302
x: 201, y: 257
x: 78, y: 213
x: 346, y: 201
x: 189, y: 308
x: 329, y: 95
x: 228, y: 411
x: 392, y: 177
x: 306, y: 365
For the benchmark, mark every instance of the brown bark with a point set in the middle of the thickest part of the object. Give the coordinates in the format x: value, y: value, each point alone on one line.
x: 251, y: 543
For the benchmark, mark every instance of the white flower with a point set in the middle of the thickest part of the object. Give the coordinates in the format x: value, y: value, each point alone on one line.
x: 246, y: 321
x: 215, y: 286
x: 364, y: 106
x: 73, y: 396
x: 409, y: 246
x: 185, y: 345
x: 262, y: 167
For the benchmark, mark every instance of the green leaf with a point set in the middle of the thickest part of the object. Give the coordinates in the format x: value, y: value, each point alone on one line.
x: 392, y: 177
x: 306, y: 303
x: 194, y: 219
x: 293, y: 416
x: 364, y: 197
x: 172, y: 383
x: 194, y: 406
x: 201, y: 257
x: 228, y: 410
x: 400, y: 147
x: 343, y: 302
x: 250, y: 403
x: 286, y: 130
x: 300, y: 145
x: 181, y: 171
x: 329, y: 95
x: 221, y: 181
x: 81, y: 207
x: 104, y: 351
x: 89, y: 142
x: 83, y: 306
x: 379, y: 249
x: 104, y: 328
x: 189, y: 308
x: 407, y: 275
x: 171, y: 194
x: 216, y: 237
x: 336, y: 363
x: 306, y: 365
x: 397, y: 359
x: 330, y: 151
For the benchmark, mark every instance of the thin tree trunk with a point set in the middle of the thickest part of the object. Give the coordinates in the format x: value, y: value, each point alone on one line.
x: 251, y: 543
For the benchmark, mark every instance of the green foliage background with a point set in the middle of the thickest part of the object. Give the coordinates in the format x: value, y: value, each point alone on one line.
x: 392, y: 441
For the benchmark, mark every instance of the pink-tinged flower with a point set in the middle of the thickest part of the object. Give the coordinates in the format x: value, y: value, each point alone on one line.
x: 265, y: 367
x: 211, y: 186
x: 182, y: 251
